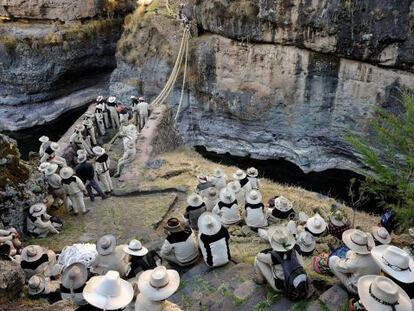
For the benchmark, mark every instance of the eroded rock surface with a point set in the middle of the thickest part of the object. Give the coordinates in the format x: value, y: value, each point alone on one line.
x: 11, y: 279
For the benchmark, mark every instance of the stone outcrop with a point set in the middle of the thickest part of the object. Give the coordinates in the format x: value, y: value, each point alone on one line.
x: 11, y: 279
x: 276, y: 79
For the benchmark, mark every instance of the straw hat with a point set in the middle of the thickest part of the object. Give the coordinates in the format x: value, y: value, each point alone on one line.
x: 303, y: 217
x: 212, y: 193
x: 66, y: 172
x: 74, y: 276
x: 194, y: 200
x: 282, y: 204
x: 44, y: 139
x: 111, y: 99
x: 209, y: 223
x: 217, y: 172
x: 306, y: 242
x: 36, y: 284
x: 133, y: 97
x: 239, y: 175
x: 234, y: 186
x: 174, y: 225
x: 99, y: 99
x: 82, y: 158
x: 51, y: 169
x: 54, y: 146
x: 87, y: 122
x: 141, y: 98
x: 395, y: 262
x: 227, y: 195
x: 281, y: 239
x: 381, y: 235
x: 79, y: 127
x: 106, y: 245
x: 88, y: 114
x: 135, y: 248
x: 158, y: 284
x: 98, y: 150
x: 254, y: 197
x: 338, y: 218
x: 99, y: 106
x: 81, y: 151
x: 381, y: 294
x: 252, y: 172
x: 37, y: 209
x: 42, y: 167
x: 316, y: 224
x: 358, y: 241
x: 32, y: 253
x: 108, y: 292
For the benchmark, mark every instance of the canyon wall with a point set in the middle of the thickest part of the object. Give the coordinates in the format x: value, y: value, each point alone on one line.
x: 275, y: 79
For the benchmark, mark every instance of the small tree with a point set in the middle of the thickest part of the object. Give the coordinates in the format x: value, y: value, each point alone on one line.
x: 389, y: 156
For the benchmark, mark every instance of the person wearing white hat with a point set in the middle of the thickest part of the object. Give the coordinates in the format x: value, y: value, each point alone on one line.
x: 100, y: 100
x: 211, y: 198
x: 42, y: 167
x: 252, y: 176
x: 143, y: 110
x: 338, y: 224
x: 194, y: 209
x: 227, y: 208
x: 306, y: 242
x: 241, y: 177
x: 39, y: 222
x: 381, y: 235
x: 397, y: 265
x: 128, y: 157
x: 123, y: 117
x: 316, y: 225
x: 108, y: 292
x: 238, y: 191
x: 155, y: 286
x: 135, y: 112
x: 41, y: 287
x: 102, y: 164
x: 219, y: 179
x: 213, y: 240
x: 44, y: 144
x: 180, y: 246
x: 276, y: 265
x: 90, y: 131
x: 74, y: 188
x: 86, y: 172
x: 77, y: 139
x: 203, y: 185
x: 254, y: 210
x: 73, y: 282
x: 379, y: 293
x: 283, y: 209
x: 55, y: 185
x: 110, y: 257
x: 99, y: 118
x: 140, y: 258
x: 113, y: 112
x: 34, y: 258
x: 51, y: 157
x: 358, y: 261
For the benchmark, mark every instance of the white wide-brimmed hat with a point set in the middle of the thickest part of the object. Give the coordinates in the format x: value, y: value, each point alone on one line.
x: 379, y: 293
x: 99, y: 98
x: 282, y: 204
x: 106, y: 244
x: 358, y: 241
x: 234, y: 186
x: 66, y: 172
x: 212, y: 193
x: 81, y: 151
x: 158, y: 284
x: 32, y: 253
x: 82, y: 158
x: 51, y: 169
x: 111, y: 99
x: 281, y: 239
x: 88, y: 114
x: 87, y: 122
x: 54, y: 146
x: 133, y: 97
x: 209, y: 223
x: 79, y: 127
x: 316, y: 224
x: 37, y: 209
x: 135, y: 248
x: 239, y: 175
x: 227, y: 195
x: 254, y: 197
x: 108, y: 292
x: 74, y: 276
x: 395, y: 262
x: 252, y: 172
x: 44, y: 139
x: 99, y: 106
x: 303, y: 217
x: 194, y: 200
x: 42, y: 167
x: 141, y: 98
x: 338, y: 218
x: 306, y: 242
x: 98, y: 150
x: 381, y: 235
x: 36, y: 284
x: 217, y: 172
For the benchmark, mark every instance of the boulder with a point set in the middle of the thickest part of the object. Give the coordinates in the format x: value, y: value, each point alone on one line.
x: 11, y: 279
x: 335, y: 298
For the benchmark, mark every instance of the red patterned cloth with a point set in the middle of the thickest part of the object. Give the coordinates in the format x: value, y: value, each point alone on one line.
x: 337, y: 231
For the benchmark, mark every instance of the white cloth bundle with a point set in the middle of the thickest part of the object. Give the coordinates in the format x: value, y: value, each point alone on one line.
x: 83, y: 253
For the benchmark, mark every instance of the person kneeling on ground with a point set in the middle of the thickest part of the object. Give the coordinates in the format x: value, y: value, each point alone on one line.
x: 180, y: 246
x: 140, y: 258
x: 39, y: 223
x: 358, y: 261
x: 282, y: 265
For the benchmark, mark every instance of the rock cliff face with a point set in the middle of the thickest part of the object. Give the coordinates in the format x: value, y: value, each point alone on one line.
x: 276, y: 79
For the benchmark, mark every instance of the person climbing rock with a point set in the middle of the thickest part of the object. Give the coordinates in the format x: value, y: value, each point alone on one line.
x: 75, y: 189
x: 113, y: 112
x: 128, y: 157
x: 102, y: 164
x: 86, y: 172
